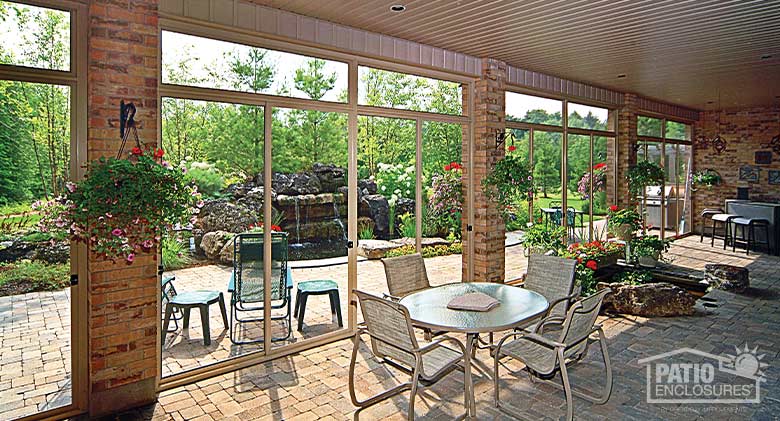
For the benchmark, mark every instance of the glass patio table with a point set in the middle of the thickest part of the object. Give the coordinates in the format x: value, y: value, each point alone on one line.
x: 428, y: 309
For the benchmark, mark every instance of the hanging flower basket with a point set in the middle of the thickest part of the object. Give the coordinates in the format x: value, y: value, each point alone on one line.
x: 643, y: 174
x: 509, y: 182
x: 122, y: 206
x: 707, y: 178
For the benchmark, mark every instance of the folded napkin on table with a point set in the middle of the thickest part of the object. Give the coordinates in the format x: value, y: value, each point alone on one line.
x: 473, y: 301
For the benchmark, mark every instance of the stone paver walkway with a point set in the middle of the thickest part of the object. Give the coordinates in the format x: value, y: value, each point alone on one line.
x: 313, y: 384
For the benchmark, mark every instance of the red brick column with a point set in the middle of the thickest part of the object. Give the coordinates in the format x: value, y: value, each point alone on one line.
x: 626, y: 148
x: 489, y: 230
x: 123, y: 320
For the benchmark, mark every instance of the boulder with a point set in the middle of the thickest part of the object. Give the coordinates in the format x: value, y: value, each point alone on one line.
x: 727, y: 277
x: 226, y: 254
x: 331, y: 176
x: 658, y: 299
x: 367, y: 186
x: 375, y: 249
x: 238, y: 190
x: 221, y: 215
x: 51, y: 253
x: 375, y: 206
x: 404, y: 206
x: 296, y: 184
x: 11, y: 251
x: 426, y: 241
x: 213, y: 242
x: 252, y: 200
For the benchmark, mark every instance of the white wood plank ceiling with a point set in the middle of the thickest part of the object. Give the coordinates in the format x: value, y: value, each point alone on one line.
x: 695, y: 53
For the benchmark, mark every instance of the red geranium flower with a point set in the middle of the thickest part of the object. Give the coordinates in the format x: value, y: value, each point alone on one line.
x: 276, y: 228
x: 447, y: 167
x: 592, y: 265
x: 613, y: 208
x: 600, y: 166
x: 579, y: 260
x: 512, y: 148
x: 136, y: 151
x: 159, y: 153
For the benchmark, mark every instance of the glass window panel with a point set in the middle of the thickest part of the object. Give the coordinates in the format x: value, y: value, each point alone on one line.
x: 34, y: 36
x: 578, y: 196
x: 442, y: 180
x: 588, y: 117
x: 603, y: 174
x: 547, y: 172
x: 648, y: 126
x: 515, y: 265
x: 310, y: 152
x: 208, y: 63
x: 671, y: 194
x: 221, y: 145
x: 35, y: 295
x: 651, y: 200
x: 684, y: 188
x: 533, y: 109
x: 678, y: 131
x: 383, y: 88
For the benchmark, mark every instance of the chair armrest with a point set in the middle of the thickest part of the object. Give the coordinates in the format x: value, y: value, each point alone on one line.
x: 438, y: 342
x: 550, y: 320
x: 570, y: 298
x: 391, y: 297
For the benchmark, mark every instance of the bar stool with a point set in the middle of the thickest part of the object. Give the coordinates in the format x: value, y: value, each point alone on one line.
x: 706, y: 214
x: 750, y: 224
x: 723, y: 219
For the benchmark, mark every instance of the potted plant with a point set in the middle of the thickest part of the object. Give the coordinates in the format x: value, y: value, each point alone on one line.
x: 540, y: 239
x: 509, y: 181
x: 648, y: 250
x: 123, y: 206
x: 605, y: 253
x: 643, y: 174
x: 623, y: 223
x: 706, y: 178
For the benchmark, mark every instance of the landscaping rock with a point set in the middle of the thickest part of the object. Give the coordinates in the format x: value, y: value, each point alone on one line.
x: 727, y: 277
x: 658, y: 299
x: 11, y: 251
x: 404, y: 206
x: 331, y: 177
x: 426, y: 241
x: 51, y: 253
x: 220, y: 215
x: 375, y: 206
x: 296, y: 184
x: 375, y: 249
x: 226, y: 254
x: 213, y: 243
x: 367, y: 186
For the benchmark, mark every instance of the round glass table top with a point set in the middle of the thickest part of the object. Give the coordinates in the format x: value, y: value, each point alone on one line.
x: 428, y: 308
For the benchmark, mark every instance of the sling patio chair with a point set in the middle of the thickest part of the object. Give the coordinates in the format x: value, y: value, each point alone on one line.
x: 544, y: 357
x: 393, y: 342
x: 553, y: 277
x: 405, y: 275
x: 247, y: 286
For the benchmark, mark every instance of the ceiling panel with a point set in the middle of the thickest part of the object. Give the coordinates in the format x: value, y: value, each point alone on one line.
x: 697, y: 53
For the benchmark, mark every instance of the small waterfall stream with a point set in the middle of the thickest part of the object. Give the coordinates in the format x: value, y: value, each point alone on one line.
x: 337, y: 218
x: 297, y: 219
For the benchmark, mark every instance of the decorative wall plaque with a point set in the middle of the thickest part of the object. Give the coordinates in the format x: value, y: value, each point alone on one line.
x: 763, y: 157
x: 749, y: 173
x: 774, y: 176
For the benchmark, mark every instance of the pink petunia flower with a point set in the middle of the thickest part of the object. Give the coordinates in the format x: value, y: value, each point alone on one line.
x: 117, y: 232
x: 131, y: 258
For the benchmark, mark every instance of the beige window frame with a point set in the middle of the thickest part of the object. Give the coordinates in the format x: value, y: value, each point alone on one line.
x: 76, y: 79
x: 352, y: 109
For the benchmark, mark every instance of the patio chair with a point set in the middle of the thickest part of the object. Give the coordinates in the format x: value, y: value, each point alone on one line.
x: 553, y: 277
x: 405, y: 275
x: 393, y: 341
x: 544, y: 357
x: 247, y: 286
x: 167, y: 293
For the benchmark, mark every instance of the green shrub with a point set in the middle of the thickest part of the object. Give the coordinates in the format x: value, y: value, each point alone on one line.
x: 633, y: 277
x: 41, y: 276
x: 431, y: 251
x: 543, y: 238
x: 14, y: 209
x: 408, y: 226
x: 208, y: 179
x: 366, y: 232
x: 175, y: 255
x: 37, y: 237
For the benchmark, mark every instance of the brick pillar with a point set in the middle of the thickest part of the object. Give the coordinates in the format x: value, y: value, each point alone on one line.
x: 626, y: 148
x: 489, y: 230
x: 123, y: 319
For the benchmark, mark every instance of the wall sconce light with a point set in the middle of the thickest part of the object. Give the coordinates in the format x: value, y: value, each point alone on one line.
x: 502, y: 136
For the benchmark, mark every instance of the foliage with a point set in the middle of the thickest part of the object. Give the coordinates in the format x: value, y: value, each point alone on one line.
x: 408, y: 225
x: 37, y: 237
x: 643, y: 174
x: 366, y: 232
x: 15, y: 209
x: 633, y: 277
x: 595, y: 249
x: 258, y: 228
x: 206, y: 177
x: 620, y: 219
x: 543, y: 238
x: 446, y: 200
x: 396, y: 182
x: 650, y: 246
x: 510, y: 180
x: 431, y: 251
x: 599, y: 181
x: 587, y: 255
x: 53, y: 217
x: 42, y: 276
x: 707, y: 178
x: 18, y: 223
x: 123, y: 205
x: 175, y: 255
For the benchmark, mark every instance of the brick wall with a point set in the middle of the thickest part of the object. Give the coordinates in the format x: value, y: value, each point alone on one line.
x: 744, y: 132
x: 489, y: 230
x: 626, y: 152
x: 123, y: 321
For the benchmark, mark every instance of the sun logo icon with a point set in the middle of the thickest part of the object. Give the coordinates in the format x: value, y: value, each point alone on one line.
x: 746, y: 362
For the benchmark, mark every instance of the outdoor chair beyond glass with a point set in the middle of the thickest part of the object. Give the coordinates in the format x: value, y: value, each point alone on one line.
x: 168, y: 292
x: 405, y: 275
x: 247, y: 286
x: 393, y: 341
x: 544, y: 357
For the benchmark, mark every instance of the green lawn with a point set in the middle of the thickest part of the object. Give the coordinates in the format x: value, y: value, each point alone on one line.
x: 573, y: 199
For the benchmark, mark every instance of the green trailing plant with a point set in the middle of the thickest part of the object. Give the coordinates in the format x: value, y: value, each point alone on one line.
x: 633, y: 277
x: 366, y: 232
x: 123, y: 206
x: 542, y: 238
x: 706, y: 178
x: 510, y: 181
x: 643, y: 174
x: 432, y: 251
x: 408, y: 226
x: 175, y: 254
x: 649, y: 246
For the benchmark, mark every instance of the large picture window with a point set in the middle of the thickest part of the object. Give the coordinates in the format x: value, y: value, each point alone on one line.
x: 383, y: 88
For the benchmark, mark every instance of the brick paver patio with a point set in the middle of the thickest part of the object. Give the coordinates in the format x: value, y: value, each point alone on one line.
x: 313, y: 384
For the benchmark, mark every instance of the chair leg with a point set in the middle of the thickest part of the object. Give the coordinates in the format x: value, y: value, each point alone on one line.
x: 297, y: 303
x: 204, y: 320
x: 302, y: 310
x: 415, y: 384
x: 335, y: 303
x: 186, y: 313
x: 566, y: 386
x: 712, y: 235
x: 376, y: 398
x: 223, y: 310
x: 168, y: 313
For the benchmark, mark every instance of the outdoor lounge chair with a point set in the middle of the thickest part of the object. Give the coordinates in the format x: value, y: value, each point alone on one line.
x: 405, y: 275
x: 247, y: 286
x: 553, y: 277
x: 544, y: 357
x: 393, y: 341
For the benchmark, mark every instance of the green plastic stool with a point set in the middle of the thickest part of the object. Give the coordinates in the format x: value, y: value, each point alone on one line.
x: 320, y: 287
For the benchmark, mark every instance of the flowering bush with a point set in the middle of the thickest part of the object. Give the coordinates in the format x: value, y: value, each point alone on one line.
x: 122, y: 206
x: 508, y: 182
x: 258, y: 227
x: 587, y: 256
x: 446, y: 199
x: 52, y: 213
x: 707, y: 178
x: 599, y: 181
x: 623, y: 222
x: 395, y: 182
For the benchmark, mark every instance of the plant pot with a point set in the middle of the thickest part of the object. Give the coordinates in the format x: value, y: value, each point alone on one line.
x: 648, y: 261
x: 608, y: 260
x: 624, y: 232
